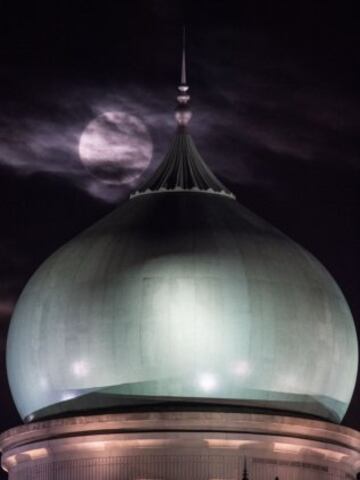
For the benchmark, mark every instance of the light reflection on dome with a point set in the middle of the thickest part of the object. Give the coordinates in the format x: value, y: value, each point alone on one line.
x: 208, y: 382
x: 67, y: 396
x: 241, y: 368
x: 80, y: 368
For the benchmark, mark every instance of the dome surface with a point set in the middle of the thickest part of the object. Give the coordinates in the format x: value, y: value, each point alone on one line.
x: 182, y: 296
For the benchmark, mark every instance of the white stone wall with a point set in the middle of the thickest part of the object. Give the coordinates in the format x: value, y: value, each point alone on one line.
x: 181, y: 446
x: 182, y: 467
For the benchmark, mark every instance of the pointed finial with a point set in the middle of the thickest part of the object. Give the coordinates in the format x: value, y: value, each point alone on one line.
x: 183, y: 62
x: 183, y: 113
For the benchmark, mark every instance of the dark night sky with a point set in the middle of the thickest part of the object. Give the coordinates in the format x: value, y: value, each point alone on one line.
x: 275, y: 88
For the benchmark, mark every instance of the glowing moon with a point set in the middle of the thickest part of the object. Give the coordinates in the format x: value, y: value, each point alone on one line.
x: 116, y: 147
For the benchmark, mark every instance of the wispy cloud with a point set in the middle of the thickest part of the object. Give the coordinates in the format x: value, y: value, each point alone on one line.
x: 246, y: 113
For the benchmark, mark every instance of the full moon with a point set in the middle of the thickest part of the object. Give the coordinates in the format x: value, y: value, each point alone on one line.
x: 116, y: 147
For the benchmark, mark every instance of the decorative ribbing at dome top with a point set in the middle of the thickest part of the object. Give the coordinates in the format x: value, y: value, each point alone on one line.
x: 183, y: 168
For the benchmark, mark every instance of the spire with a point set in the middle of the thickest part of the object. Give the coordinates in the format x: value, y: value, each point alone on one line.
x: 183, y: 62
x: 183, y: 169
x: 183, y: 112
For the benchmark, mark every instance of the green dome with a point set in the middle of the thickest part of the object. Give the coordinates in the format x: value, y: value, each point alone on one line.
x: 182, y: 296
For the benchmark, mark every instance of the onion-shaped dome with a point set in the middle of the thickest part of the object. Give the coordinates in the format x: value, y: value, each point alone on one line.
x: 182, y: 295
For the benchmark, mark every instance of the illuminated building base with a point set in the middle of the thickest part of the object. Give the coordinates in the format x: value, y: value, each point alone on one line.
x: 182, y: 446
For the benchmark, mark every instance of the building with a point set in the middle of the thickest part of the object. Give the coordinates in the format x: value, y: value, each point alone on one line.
x: 182, y: 337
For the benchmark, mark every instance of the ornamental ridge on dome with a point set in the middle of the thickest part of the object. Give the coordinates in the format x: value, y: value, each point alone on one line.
x: 183, y: 168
